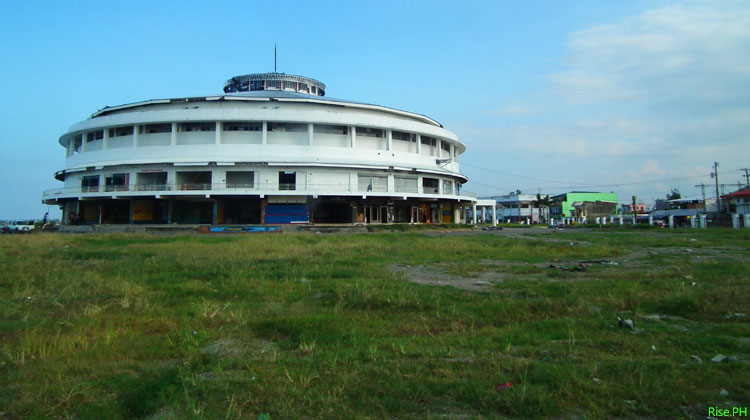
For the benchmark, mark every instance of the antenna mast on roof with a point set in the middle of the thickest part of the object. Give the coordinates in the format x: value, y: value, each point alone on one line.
x: 274, y: 57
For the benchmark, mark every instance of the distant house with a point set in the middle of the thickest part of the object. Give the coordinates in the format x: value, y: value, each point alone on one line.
x: 583, y: 204
x: 738, y: 201
x: 516, y: 208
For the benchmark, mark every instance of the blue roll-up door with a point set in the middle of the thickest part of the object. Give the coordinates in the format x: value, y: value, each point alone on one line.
x: 286, y: 213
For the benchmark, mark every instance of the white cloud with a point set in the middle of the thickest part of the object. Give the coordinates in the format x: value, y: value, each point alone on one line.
x: 659, y: 95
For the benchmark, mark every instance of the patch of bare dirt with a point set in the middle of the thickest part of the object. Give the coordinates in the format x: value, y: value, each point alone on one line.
x: 434, y: 275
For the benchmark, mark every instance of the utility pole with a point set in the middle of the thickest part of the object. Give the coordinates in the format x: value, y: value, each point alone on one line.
x: 715, y: 176
x: 703, y: 190
x: 747, y: 176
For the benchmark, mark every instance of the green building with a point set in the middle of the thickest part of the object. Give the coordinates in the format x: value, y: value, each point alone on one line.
x: 583, y: 204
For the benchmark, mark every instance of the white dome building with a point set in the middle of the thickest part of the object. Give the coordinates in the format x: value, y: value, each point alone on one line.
x: 270, y: 149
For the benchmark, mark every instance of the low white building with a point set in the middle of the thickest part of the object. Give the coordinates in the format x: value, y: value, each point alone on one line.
x: 516, y: 208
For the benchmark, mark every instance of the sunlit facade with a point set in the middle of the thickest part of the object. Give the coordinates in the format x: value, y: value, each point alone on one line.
x: 270, y: 149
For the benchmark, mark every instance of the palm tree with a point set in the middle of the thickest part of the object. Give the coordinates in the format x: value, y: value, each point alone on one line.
x: 541, y: 203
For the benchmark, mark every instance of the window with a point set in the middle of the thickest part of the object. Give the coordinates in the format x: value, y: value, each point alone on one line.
x: 331, y: 129
x: 429, y: 141
x: 370, y: 132
x: 430, y: 185
x: 257, y: 85
x: 121, y: 131
x: 404, y: 184
x: 243, y: 126
x: 155, y: 128
x: 447, y: 187
x: 117, y: 182
x: 197, y: 126
x: 372, y: 183
x: 290, y: 85
x: 238, y: 179
x: 287, y: 180
x: 95, y: 135
x: 90, y: 183
x: 273, y: 84
x: 400, y: 135
x: 288, y: 127
x: 445, y: 146
x: 77, y: 143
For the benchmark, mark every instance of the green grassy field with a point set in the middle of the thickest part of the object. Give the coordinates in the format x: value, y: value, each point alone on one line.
x: 371, y: 326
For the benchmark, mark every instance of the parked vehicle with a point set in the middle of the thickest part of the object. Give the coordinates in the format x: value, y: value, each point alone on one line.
x: 21, y: 226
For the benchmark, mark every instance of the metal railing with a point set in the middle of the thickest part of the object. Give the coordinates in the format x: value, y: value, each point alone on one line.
x: 256, y: 188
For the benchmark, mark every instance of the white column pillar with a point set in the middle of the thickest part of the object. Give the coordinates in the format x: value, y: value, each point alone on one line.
x: 474, y: 214
x: 84, y: 139
x: 353, y: 131
x: 735, y: 221
x: 494, y: 215
x: 419, y: 144
x: 71, y: 146
x: 633, y: 218
x: 310, y: 134
x: 746, y: 220
x: 622, y: 220
x: 671, y: 221
x: 264, y: 133
x: 135, y: 135
x: 219, y: 128
x: 703, y: 221
x: 439, y: 145
x: 174, y: 134
x: 692, y: 221
x: 650, y: 220
x: 105, y: 139
x: 389, y: 135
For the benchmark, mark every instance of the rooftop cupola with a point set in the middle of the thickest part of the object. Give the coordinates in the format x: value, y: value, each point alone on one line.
x: 275, y: 81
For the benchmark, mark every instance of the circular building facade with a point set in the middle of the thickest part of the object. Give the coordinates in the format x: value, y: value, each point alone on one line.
x: 270, y: 149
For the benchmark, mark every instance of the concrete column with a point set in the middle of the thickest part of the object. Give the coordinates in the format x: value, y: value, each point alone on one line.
x: 264, y: 133
x: 439, y: 146
x: 389, y: 145
x: 692, y: 221
x: 735, y: 221
x: 419, y: 144
x: 703, y: 221
x: 219, y: 128
x: 135, y: 135
x: 598, y: 220
x: 671, y: 221
x: 474, y: 214
x: 174, y: 134
x: 353, y: 133
x: 746, y: 220
x: 71, y: 146
x: 633, y: 218
x: 84, y: 140
x: 494, y: 215
x: 650, y: 220
x: 310, y: 134
x: 622, y: 220
x: 105, y: 139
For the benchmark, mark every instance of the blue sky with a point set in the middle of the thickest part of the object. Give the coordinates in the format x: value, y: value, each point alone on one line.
x: 634, y: 97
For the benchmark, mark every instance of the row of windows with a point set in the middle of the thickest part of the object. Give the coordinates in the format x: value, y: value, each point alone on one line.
x: 246, y: 179
x: 257, y: 126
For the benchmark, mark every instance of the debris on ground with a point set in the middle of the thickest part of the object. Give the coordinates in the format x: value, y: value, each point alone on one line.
x: 492, y: 228
x: 504, y: 386
x: 724, y: 393
x: 696, y: 359
x: 581, y: 265
x: 625, y: 323
x: 719, y: 358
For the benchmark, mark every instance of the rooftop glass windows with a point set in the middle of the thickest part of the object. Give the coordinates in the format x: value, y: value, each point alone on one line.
x: 197, y: 126
x: 242, y: 126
